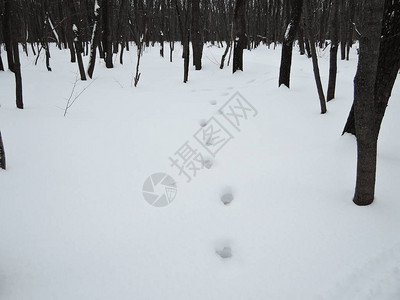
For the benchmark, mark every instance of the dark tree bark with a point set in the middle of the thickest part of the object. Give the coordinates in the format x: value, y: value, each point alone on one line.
x: 240, y: 41
x: 77, y: 38
x: 197, y: 40
x: 388, y: 65
x: 108, y: 31
x: 317, y: 77
x: 300, y: 35
x: 1, y: 62
x: 389, y: 59
x: 287, y: 45
x: 228, y: 46
x: 364, y: 102
x: 182, y: 12
x: 343, y: 29
x: 2, y: 154
x: 334, y: 31
x: 351, y: 13
x: 95, y: 38
x: 10, y: 31
x: 18, y: 77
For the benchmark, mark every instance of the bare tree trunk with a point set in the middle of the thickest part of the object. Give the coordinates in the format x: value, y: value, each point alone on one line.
x: 240, y: 41
x: 95, y: 39
x: 228, y: 46
x: 10, y: 31
x: 183, y: 17
x: 197, y: 40
x: 287, y: 45
x: 314, y: 57
x: 388, y: 66
x: 77, y: 39
x: 108, y: 30
x: 389, y: 59
x: 1, y: 62
x: 333, y: 52
x: 2, y: 154
x: 364, y: 91
x: 300, y: 35
x: 343, y: 29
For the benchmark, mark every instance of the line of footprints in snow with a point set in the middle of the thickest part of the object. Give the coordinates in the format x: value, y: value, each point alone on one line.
x: 226, y: 198
x: 226, y: 252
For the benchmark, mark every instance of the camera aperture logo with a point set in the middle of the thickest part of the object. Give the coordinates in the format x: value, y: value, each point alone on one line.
x: 159, y: 189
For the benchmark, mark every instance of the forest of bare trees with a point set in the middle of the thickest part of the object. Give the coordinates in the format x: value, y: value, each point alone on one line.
x: 108, y: 28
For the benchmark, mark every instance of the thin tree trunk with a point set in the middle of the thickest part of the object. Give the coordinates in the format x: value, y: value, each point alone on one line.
x: 333, y: 52
x: 1, y: 62
x: 2, y: 154
x: 314, y: 57
x: 18, y: 77
x: 95, y: 39
x: 343, y: 29
x: 300, y: 35
x: 228, y: 46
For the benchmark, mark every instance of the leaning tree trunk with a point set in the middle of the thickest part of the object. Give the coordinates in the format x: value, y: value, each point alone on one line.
x: 2, y: 154
x: 334, y: 31
x: 240, y: 41
x: 287, y: 45
x: 364, y: 102
x: 317, y: 76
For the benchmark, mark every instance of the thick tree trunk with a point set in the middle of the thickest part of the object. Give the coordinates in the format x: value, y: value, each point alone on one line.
x: 388, y: 66
x: 389, y: 59
x: 2, y: 154
x: 287, y: 45
x: 364, y: 102
x: 240, y: 41
x: 333, y: 52
x: 317, y: 76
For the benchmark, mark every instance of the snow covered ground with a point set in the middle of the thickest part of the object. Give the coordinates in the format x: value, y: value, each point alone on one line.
x: 74, y: 223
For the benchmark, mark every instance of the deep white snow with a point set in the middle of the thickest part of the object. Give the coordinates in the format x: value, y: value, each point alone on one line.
x: 75, y: 225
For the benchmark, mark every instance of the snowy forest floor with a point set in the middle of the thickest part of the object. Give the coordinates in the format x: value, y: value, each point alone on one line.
x: 74, y: 223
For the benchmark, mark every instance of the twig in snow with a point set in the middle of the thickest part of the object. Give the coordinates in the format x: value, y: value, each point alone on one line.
x: 71, y: 99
